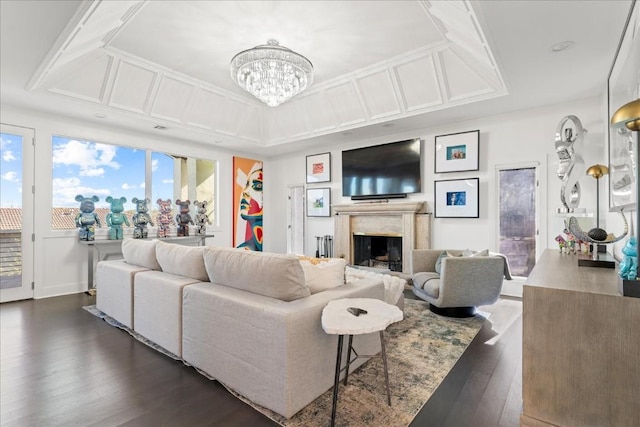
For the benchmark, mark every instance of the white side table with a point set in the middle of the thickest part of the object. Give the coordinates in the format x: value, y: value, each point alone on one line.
x: 337, y: 320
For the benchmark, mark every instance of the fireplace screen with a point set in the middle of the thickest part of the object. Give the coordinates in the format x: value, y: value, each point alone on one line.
x: 378, y: 251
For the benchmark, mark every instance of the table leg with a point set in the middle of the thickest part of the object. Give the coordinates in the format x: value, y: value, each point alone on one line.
x: 386, y: 371
x: 336, y: 381
x: 90, y: 287
x: 346, y: 375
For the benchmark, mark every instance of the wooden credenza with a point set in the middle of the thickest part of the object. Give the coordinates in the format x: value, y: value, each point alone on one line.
x: 581, y: 347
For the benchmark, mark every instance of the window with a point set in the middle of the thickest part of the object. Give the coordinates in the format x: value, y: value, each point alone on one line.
x: 88, y: 168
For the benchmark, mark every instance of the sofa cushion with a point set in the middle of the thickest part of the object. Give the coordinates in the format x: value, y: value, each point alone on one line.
x: 438, y: 265
x: 269, y: 274
x: 420, y: 279
x: 321, y: 274
x: 140, y: 252
x: 182, y: 260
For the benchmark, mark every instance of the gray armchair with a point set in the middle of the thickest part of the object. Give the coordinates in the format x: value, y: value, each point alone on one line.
x: 462, y: 284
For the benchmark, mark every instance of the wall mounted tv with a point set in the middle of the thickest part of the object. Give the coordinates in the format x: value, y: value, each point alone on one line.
x: 382, y: 171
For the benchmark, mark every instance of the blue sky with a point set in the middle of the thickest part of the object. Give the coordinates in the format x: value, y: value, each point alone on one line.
x: 87, y: 168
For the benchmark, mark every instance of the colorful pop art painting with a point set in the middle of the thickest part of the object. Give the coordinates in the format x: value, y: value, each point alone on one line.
x: 247, y: 203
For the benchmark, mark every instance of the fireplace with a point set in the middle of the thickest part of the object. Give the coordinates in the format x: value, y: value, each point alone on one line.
x: 406, y: 221
x: 378, y: 251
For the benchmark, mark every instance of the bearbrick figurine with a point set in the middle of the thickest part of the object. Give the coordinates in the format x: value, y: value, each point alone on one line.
x: 629, y: 265
x: 87, y: 218
x: 202, y: 219
x: 116, y: 218
x: 141, y: 218
x: 164, y: 217
x: 183, y: 219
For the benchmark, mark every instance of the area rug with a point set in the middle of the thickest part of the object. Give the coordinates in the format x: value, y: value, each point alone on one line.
x: 421, y: 350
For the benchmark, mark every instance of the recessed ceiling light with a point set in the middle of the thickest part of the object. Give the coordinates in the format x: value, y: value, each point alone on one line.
x: 347, y: 133
x: 388, y: 125
x: 559, y: 47
x: 217, y: 141
x: 100, y: 116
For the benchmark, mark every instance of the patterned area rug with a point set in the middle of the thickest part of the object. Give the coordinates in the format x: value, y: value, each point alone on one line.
x: 421, y: 350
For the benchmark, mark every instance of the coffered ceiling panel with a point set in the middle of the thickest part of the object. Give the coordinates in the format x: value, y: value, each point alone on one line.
x: 319, y: 116
x: 379, y: 95
x: 346, y: 105
x: 419, y: 84
x: 132, y: 87
x: 171, y: 99
x: 88, y: 82
x: 462, y: 82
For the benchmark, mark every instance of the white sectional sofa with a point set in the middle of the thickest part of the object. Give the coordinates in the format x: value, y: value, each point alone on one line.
x: 248, y: 319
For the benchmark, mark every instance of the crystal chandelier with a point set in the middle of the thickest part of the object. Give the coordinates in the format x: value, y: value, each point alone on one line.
x: 272, y: 73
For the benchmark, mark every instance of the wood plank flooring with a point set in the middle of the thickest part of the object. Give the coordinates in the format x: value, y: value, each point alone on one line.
x: 61, y: 366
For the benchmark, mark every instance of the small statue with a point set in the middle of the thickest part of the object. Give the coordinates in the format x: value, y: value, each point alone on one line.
x: 183, y: 219
x: 202, y: 219
x: 87, y: 218
x: 629, y: 264
x: 164, y: 217
x: 141, y: 218
x: 116, y: 218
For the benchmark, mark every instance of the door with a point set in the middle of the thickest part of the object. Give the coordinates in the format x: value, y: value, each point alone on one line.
x: 295, y: 220
x: 518, y: 218
x: 16, y: 219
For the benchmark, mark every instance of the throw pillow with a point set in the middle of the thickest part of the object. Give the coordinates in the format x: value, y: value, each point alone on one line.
x: 324, y: 273
x: 273, y: 275
x: 442, y: 255
x: 140, y: 252
x: 182, y: 260
x: 480, y: 253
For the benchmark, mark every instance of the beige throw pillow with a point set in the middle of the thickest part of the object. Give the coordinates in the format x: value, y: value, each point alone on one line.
x: 328, y: 273
x: 182, y: 260
x: 140, y: 252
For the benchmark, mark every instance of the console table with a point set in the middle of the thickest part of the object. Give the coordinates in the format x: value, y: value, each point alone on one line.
x: 105, y: 249
x: 580, y: 347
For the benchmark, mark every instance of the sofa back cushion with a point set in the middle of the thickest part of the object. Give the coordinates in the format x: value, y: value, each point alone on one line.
x: 269, y: 274
x: 182, y: 260
x: 321, y: 274
x: 140, y: 252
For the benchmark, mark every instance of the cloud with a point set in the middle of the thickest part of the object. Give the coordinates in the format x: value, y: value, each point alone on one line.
x: 8, y: 156
x: 10, y: 176
x: 154, y: 165
x: 167, y: 181
x: 88, y: 156
x: 126, y: 186
x: 4, y: 143
x: 65, y: 191
x: 142, y: 185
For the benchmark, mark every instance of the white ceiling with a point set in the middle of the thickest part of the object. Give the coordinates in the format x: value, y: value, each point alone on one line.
x: 382, y: 67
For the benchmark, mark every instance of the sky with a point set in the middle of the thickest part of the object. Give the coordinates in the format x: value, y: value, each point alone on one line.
x: 87, y: 168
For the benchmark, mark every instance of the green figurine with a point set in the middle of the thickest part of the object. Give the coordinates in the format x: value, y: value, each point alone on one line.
x: 116, y: 218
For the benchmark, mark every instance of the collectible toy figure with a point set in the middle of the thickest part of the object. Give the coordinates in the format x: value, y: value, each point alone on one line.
x: 116, y: 218
x: 629, y: 264
x: 141, y: 218
x: 202, y: 219
x: 183, y: 218
x: 164, y: 217
x: 87, y: 218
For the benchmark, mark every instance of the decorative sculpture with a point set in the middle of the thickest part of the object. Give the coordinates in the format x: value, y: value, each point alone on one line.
x: 87, y: 219
x: 629, y: 264
x: 595, y: 235
x: 164, y: 217
x: 183, y: 219
x: 202, y: 219
x: 141, y: 218
x: 116, y: 218
x: 569, y: 136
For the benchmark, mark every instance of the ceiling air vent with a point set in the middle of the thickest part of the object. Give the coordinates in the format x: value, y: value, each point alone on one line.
x: 160, y: 127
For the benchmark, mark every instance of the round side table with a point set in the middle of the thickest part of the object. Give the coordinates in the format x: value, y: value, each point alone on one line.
x: 337, y: 320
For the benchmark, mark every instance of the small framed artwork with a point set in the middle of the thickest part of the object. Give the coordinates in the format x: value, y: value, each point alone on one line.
x: 457, y: 152
x: 318, y: 202
x: 457, y: 198
x: 319, y: 168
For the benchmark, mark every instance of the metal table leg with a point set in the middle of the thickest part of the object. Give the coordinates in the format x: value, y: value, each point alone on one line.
x: 336, y: 380
x: 386, y: 371
x: 346, y: 375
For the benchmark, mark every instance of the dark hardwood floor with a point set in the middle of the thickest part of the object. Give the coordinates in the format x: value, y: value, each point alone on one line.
x: 61, y: 366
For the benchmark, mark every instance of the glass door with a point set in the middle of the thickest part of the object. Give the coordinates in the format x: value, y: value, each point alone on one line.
x: 16, y: 213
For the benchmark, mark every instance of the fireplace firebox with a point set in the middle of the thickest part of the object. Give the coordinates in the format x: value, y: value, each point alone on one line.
x: 378, y: 251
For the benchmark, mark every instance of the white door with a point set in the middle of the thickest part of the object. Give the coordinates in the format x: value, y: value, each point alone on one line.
x: 295, y: 220
x: 17, y: 206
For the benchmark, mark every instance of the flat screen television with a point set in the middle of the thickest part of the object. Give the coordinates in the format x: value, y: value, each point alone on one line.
x: 382, y: 171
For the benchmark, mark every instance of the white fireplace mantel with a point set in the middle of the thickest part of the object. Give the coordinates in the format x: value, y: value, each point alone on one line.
x: 406, y: 219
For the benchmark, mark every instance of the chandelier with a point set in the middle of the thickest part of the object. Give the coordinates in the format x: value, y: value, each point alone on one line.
x: 272, y: 73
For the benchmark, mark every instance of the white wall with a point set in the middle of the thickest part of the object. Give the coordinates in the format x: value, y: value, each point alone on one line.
x: 61, y: 262
x: 514, y: 138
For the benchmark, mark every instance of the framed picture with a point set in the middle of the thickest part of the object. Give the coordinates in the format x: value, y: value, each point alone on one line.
x: 319, y: 168
x: 318, y: 202
x: 457, y: 152
x: 457, y: 198
x: 622, y: 87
